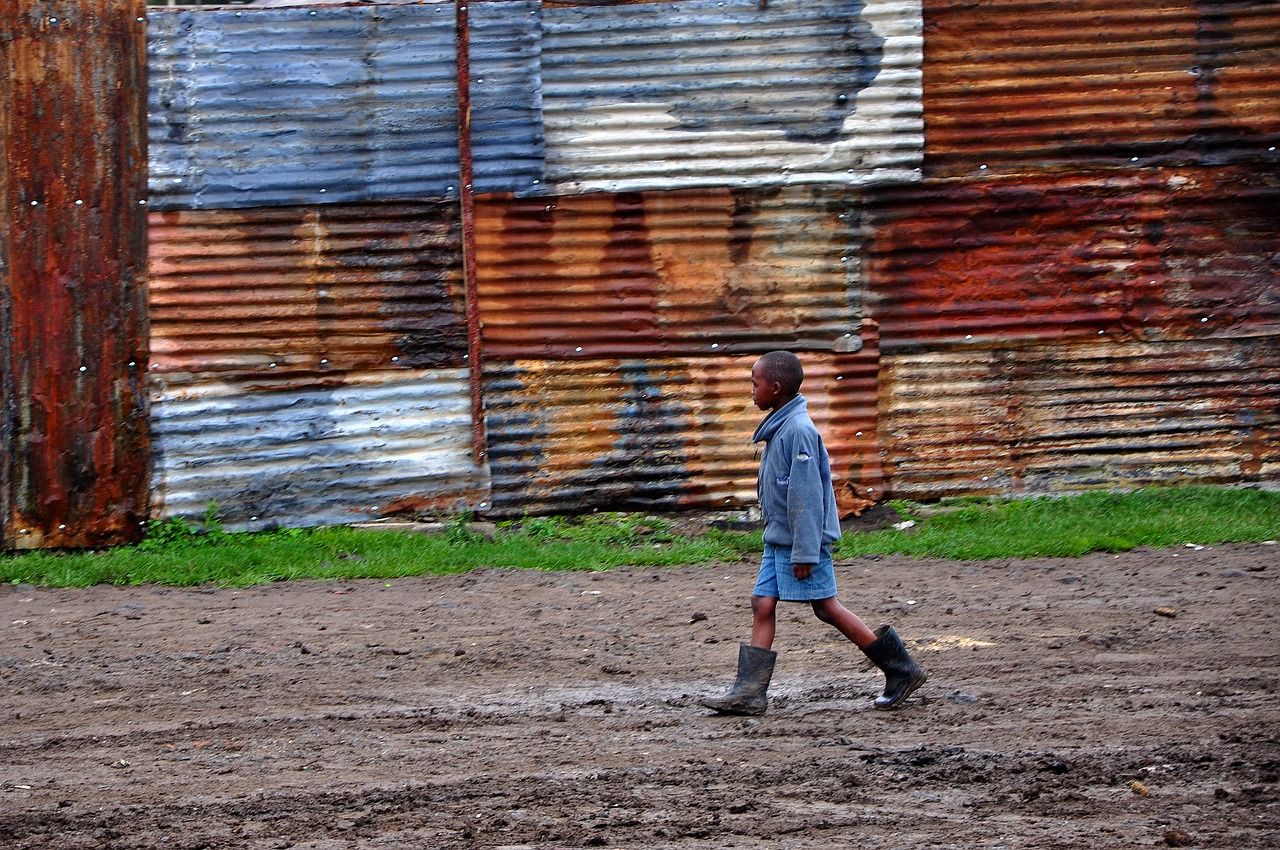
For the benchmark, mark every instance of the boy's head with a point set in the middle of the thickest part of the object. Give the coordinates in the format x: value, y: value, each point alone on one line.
x: 775, y: 379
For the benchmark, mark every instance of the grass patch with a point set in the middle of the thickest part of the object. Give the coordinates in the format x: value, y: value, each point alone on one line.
x: 182, y: 554
x: 970, y: 529
x: 179, y: 553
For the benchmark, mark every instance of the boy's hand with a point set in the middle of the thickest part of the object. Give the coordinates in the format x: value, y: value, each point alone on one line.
x: 802, y: 571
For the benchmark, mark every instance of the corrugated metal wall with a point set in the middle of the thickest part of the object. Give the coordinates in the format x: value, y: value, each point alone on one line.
x: 261, y: 107
x: 1084, y: 292
x: 1142, y: 254
x: 696, y: 272
x: 284, y: 451
x: 306, y: 291
x: 308, y: 363
x: 637, y: 312
x: 1023, y: 85
x: 1096, y: 201
x: 661, y: 432
x: 1059, y: 225
x: 73, y: 438
x: 1073, y: 416
x: 732, y: 93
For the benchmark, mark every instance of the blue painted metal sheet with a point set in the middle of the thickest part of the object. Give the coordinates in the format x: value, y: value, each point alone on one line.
x: 264, y: 107
x: 732, y: 93
x: 290, y: 452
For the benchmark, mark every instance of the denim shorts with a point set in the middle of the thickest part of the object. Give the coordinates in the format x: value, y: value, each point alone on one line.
x: 777, y: 579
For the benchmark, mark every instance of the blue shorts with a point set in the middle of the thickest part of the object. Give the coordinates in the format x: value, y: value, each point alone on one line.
x: 777, y: 579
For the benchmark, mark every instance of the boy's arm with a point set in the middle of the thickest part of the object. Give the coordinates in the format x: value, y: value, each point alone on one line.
x: 805, y: 510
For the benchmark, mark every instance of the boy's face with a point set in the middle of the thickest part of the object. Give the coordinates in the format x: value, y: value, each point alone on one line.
x: 764, y: 393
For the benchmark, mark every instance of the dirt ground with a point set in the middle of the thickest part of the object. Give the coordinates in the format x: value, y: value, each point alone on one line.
x: 1110, y: 701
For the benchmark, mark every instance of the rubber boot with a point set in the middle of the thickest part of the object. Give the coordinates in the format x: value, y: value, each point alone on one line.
x: 749, y: 694
x: 902, y: 675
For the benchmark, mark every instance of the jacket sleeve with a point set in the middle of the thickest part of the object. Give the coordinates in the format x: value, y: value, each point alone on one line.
x: 805, y: 505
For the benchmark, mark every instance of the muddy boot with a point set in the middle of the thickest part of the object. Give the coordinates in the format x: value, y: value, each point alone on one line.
x: 749, y: 692
x: 902, y: 675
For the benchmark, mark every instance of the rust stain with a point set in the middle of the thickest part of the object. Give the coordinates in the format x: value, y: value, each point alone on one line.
x: 1012, y: 86
x: 72, y: 118
x: 306, y: 291
x: 428, y: 506
x: 1053, y: 419
x: 704, y: 272
x: 1165, y: 253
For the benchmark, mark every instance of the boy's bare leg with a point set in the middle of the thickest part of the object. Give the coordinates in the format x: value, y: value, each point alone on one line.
x: 764, y: 621
x: 846, y: 622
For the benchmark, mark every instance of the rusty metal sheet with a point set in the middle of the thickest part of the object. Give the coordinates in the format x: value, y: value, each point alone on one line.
x: 306, y: 290
x: 253, y: 107
x: 731, y: 93
x: 696, y: 272
x: 72, y: 266
x: 1154, y: 253
x: 661, y: 433
x: 1012, y: 85
x: 289, y: 452
x: 1054, y: 419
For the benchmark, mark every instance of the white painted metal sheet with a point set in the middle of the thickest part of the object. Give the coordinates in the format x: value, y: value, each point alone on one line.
x: 732, y: 93
x: 303, y: 453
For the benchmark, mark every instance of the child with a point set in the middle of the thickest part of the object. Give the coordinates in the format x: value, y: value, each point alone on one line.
x: 801, y: 523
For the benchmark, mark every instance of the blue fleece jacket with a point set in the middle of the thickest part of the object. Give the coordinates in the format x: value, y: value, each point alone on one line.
x: 794, y: 486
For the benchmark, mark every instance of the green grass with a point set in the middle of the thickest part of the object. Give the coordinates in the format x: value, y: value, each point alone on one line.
x: 179, y: 553
x: 182, y: 554
x: 969, y: 528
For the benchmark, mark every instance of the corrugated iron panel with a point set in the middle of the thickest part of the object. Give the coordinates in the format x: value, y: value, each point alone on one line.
x: 73, y: 459
x: 354, y: 447
x: 660, y: 433
x: 732, y: 93
x: 1153, y: 254
x: 306, y: 291
x: 1020, y: 84
x: 697, y: 272
x: 1060, y: 418
x: 257, y: 107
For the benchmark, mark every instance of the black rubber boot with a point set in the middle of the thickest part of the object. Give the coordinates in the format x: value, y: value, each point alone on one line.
x: 902, y: 675
x: 749, y: 694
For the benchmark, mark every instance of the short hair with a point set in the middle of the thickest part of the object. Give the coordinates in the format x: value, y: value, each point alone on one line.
x: 783, y: 367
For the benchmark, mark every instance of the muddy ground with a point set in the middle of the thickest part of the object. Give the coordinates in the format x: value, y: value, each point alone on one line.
x: 1108, y: 701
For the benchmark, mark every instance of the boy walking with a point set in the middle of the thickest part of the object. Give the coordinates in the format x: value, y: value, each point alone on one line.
x: 801, y: 523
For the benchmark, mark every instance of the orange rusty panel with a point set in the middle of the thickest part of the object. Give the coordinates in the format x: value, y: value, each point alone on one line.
x: 1014, y: 85
x: 74, y: 456
x: 661, y: 433
x: 1061, y: 418
x: 705, y: 272
x: 1152, y: 254
x: 306, y: 290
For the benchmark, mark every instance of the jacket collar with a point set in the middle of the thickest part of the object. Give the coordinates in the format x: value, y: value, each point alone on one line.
x: 776, y: 418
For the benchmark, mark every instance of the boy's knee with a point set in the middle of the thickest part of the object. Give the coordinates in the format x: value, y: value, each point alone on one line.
x: 822, y: 610
x: 763, y: 606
